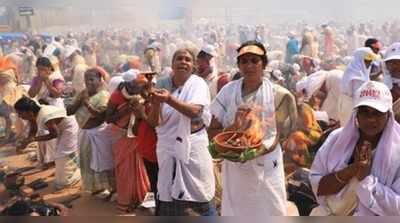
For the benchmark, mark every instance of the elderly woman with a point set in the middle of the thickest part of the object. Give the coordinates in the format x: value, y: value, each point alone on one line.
x: 356, y: 171
x: 132, y: 183
x: 96, y: 159
x: 61, y: 127
x: 255, y: 187
x: 181, y: 112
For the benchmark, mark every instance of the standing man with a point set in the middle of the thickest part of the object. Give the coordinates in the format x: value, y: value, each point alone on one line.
x: 207, y: 68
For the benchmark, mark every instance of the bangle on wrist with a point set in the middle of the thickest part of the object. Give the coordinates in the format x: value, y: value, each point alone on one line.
x: 338, y: 179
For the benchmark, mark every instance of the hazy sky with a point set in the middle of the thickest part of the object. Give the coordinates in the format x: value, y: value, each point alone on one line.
x: 236, y: 11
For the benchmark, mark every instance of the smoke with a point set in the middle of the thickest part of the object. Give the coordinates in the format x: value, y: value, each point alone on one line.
x: 157, y: 14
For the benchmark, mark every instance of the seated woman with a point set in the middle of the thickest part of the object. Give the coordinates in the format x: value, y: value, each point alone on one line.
x: 356, y: 171
x: 59, y: 126
x: 296, y: 147
x: 95, y: 147
x: 10, y: 92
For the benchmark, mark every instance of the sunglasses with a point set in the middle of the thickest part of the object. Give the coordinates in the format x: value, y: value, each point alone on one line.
x: 252, y: 60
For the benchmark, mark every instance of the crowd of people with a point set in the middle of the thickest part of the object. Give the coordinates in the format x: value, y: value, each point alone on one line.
x: 133, y: 112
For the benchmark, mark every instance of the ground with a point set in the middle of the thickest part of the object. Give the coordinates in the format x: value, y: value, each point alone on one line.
x: 84, y: 204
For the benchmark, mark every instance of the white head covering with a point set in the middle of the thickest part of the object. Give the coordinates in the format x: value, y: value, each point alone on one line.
x: 392, y: 53
x: 69, y: 50
x: 154, y: 45
x: 130, y: 75
x: 277, y: 74
x: 312, y: 83
x: 114, y: 83
x: 209, y: 49
x: 356, y: 70
x: 385, y: 162
x: 375, y: 95
x: 332, y: 83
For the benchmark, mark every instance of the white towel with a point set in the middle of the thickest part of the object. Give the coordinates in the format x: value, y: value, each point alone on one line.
x: 182, y: 135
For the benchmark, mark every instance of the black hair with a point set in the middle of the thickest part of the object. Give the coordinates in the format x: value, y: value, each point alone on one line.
x: 45, y: 62
x: 26, y: 104
x: 264, y: 57
x: 19, y: 208
x: 369, y: 42
x: 205, y: 55
x: 95, y: 71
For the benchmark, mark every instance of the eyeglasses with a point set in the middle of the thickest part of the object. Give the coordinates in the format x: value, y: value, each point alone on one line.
x: 252, y: 60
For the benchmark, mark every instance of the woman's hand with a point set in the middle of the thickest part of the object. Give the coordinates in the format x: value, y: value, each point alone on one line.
x: 242, y: 118
x: 83, y: 96
x: 139, y: 110
x: 364, y: 160
x: 160, y: 96
x: 22, y: 144
x: 43, y: 77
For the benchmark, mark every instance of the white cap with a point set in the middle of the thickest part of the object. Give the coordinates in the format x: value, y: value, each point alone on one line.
x: 292, y: 34
x: 155, y: 45
x: 393, y: 52
x: 375, y: 95
x: 114, y: 83
x: 209, y: 49
x: 296, y: 67
x: 277, y: 74
x: 130, y: 75
x: 69, y: 50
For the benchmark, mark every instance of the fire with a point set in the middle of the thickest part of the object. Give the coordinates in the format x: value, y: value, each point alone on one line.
x: 255, y: 132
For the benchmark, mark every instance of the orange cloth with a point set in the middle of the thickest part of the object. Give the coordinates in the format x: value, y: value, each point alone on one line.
x: 131, y: 178
x: 298, y: 143
x: 7, y: 64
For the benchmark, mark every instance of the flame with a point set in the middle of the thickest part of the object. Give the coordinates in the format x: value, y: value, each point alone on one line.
x: 255, y: 133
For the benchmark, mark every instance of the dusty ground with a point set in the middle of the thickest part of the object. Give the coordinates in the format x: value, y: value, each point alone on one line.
x: 85, y: 205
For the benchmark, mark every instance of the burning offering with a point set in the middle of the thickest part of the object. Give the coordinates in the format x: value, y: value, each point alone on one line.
x: 235, y: 142
x: 248, y: 137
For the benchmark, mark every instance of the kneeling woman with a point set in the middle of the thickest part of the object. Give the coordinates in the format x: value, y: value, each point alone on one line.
x: 357, y: 170
x: 61, y: 127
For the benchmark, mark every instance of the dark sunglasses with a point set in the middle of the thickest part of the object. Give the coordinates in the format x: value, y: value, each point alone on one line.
x: 252, y: 60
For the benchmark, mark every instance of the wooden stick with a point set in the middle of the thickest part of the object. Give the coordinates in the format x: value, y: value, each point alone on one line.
x: 231, y: 138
